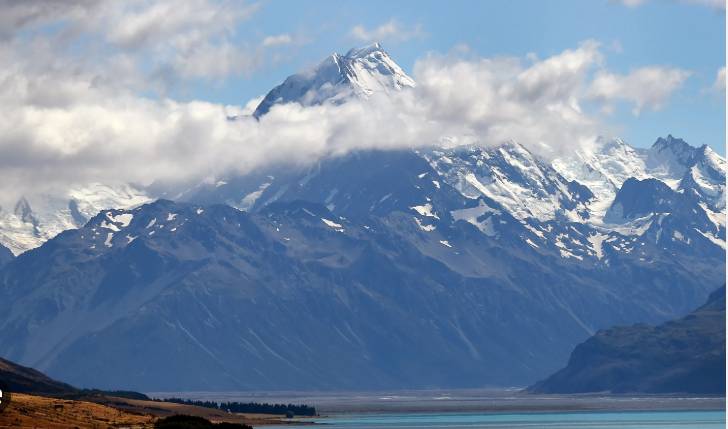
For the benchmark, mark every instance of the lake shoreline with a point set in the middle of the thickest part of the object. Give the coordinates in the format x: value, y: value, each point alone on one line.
x: 465, y: 401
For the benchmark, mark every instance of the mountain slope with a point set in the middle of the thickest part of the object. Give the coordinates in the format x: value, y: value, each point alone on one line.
x: 174, y: 296
x: 5, y: 255
x: 523, y: 183
x: 20, y: 379
x: 681, y: 356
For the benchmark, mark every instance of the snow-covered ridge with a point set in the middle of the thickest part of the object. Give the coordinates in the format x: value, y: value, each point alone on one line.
x: 514, y: 177
x: 607, y: 164
x: 360, y: 73
x: 677, y: 191
x: 38, y: 218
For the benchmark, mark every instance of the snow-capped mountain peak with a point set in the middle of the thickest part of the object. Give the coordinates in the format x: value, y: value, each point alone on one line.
x: 360, y: 73
x: 676, y: 146
x: 607, y: 164
x: 671, y: 156
x: 365, y: 50
x: 371, y: 69
x: 602, y: 167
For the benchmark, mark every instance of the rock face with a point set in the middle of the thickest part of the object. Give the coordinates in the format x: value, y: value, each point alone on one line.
x: 681, y: 356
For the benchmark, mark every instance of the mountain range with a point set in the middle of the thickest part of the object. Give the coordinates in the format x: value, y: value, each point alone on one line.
x: 435, y: 267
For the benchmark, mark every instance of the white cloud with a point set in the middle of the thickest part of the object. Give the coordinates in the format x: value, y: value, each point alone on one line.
x: 20, y: 14
x: 646, y: 87
x: 497, y: 99
x: 57, y: 129
x: 182, y: 40
x: 151, y: 44
x: 715, y: 4
x: 391, y: 31
x: 215, y: 60
x: 559, y: 76
x: 280, y: 39
x: 633, y: 3
x: 69, y: 119
x: 719, y: 84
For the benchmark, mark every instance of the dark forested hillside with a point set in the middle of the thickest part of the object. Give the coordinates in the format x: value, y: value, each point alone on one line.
x: 686, y: 355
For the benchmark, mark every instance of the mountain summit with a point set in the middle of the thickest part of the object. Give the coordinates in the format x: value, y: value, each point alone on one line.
x: 360, y: 73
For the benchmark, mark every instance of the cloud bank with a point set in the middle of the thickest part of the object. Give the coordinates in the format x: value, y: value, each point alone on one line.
x: 149, y: 45
x: 72, y: 115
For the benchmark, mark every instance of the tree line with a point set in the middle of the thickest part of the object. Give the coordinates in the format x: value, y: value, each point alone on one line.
x: 250, y: 407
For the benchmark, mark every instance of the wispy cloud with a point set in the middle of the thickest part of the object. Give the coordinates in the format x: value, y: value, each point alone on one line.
x: 719, y: 84
x: 631, y: 3
x: 150, y: 45
x: 714, y: 4
x: 391, y: 31
x: 646, y: 87
x: 280, y: 39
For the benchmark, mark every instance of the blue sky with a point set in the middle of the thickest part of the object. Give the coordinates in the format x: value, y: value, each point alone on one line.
x: 659, y: 32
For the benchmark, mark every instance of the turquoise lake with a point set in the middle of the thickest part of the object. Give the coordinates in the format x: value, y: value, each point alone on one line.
x: 575, y: 420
